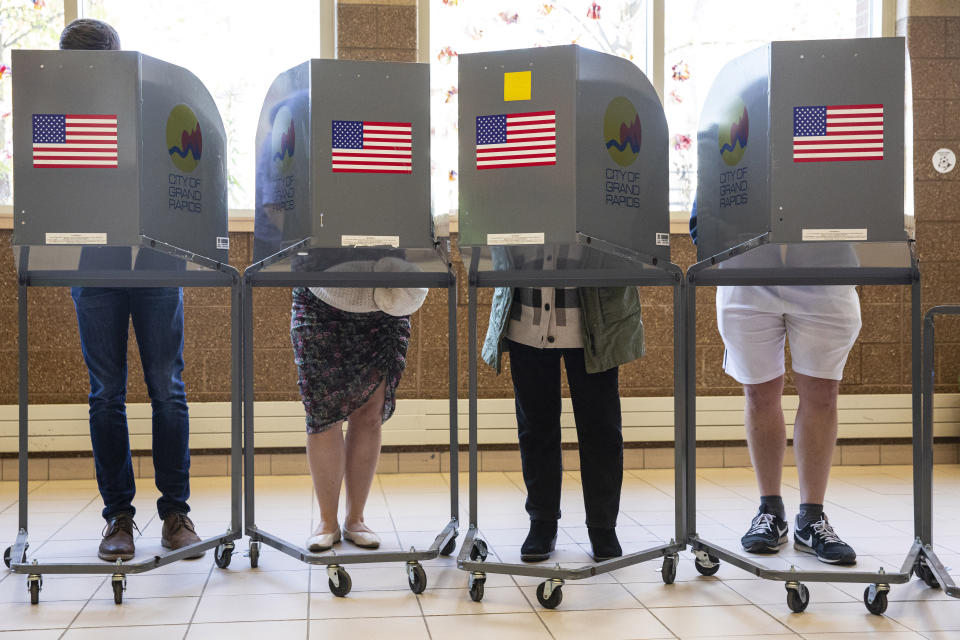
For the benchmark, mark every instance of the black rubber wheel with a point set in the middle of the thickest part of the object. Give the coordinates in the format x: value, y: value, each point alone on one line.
x: 254, y: 555
x: 925, y: 573
x: 345, y: 585
x: 449, y: 547
x: 669, y: 569
x: 117, y: 592
x: 798, y: 599
x: 476, y: 590
x: 6, y: 556
x: 478, y: 550
x: 418, y: 580
x: 708, y: 571
x: 222, y: 555
x: 879, y: 604
x: 555, y: 598
x: 34, y: 592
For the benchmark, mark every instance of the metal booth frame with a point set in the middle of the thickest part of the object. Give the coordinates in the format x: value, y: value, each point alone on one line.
x: 928, y: 567
x: 708, y: 555
x: 216, y: 274
x: 473, y: 552
x: 339, y: 580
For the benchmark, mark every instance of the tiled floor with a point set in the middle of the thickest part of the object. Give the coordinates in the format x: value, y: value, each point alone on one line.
x: 870, y: 506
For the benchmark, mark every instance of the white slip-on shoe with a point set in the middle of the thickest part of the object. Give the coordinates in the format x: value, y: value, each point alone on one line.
x: 363, y: 539
x: 323, y: 541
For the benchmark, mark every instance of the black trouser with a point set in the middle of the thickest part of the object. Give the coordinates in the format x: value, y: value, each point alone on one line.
x: 596, y: 410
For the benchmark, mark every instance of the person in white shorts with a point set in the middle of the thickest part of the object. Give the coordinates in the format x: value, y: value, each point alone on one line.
x: 821, y: 324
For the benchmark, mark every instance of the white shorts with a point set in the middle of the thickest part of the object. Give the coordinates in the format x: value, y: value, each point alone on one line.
x: 822, y: 323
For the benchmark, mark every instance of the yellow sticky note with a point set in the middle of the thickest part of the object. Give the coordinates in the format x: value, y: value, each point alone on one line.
x: 517, y: 85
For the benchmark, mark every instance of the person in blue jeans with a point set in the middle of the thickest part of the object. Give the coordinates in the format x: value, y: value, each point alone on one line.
x: 103, y: 318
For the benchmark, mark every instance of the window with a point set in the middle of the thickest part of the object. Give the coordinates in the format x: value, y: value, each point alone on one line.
x: 463, y: 26
x: 24, y: 24
x: 235, y: 48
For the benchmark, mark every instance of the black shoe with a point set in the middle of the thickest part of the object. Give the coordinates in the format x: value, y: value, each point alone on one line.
x: 604, y: 543
x: 541, y: 540
x: 767, y: 532
x: 820, y: 539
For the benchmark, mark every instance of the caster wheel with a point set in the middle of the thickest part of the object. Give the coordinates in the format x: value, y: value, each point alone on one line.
x: 925, y: 573
x: 705, y: 570
x: 556, y: 597
x: 254, y: 554
x: 476, y: 589
x: 345, y: 583
x: 417, y: 578
x: 878, y: 603
x: 449, y: 547
x: 34, y: 587
x: 669, y: 569
x: 478, y: 550
x: 223, y: 554
x: 118, y: 588
x: 798, y: 599
x: 6, y: 556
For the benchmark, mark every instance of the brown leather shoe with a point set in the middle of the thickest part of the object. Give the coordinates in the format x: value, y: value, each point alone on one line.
x: 117, y: 543
x: 178, y: 532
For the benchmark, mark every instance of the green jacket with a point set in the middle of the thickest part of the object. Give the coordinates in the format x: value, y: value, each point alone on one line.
x: 611, y: 321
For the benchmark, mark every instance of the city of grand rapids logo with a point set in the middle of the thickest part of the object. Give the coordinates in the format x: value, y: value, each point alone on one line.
x: 283, y: 139
x: 733, y: 133
x: 184, y: 141
x: 621, y: 131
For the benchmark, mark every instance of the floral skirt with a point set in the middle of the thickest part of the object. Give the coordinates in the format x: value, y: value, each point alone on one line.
x: 342, y: 358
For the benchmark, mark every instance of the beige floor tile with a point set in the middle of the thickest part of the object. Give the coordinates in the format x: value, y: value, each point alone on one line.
x: 685, y: 594
x: 393, y: 628
x: 836, y: 617
x: 252, y: 608
x: 696, y: 622
x: 609, y: 625
x: 509, y: 626
x: 894, y: 635
x: 768, y: 592
x: 136, y: 611
x: 16, y: 616
x: 578, y: 596
x: 160, y: 632
x: 13, y: 588
x: 36, y: 634
x: 359, y: 604
x: 277, y: 629
x: 158, y: 586
x: 932, y: 615
x: 246, y: 581
x: 457, y: 601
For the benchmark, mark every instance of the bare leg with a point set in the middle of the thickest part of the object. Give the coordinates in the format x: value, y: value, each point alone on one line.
x: 325, y: 452
x: 363, y: 452
x: 766, y: 433
x: 815, y: 435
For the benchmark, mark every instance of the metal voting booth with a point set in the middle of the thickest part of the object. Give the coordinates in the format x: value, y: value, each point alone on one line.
x: 791, y: 193
x: 120, y: 180
x: 332, y: 194
x: 562, y: 154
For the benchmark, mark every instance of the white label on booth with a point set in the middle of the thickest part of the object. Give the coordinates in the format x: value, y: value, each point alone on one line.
x: 76, y: 238
x: 849, y: 235
x: 515, y: 238
x: 223, y: 243
x: 370, y: 241
x: 663, y: 239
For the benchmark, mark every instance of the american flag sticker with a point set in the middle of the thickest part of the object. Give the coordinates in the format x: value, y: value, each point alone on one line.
x: 836, y: 133
x: 517, y: 140
x: 360, y: 146
x: 83, y: 141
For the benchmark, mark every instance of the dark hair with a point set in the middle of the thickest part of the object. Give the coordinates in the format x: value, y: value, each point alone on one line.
x: 89, y: 34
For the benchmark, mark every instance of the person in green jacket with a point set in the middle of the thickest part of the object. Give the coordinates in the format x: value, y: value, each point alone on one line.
x: 594, y: 331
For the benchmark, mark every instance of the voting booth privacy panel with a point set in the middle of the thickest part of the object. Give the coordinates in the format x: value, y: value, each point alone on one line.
x: 115, y: 149
x: 803, y: 142
x: 561, y: 141
x: 343, y: 158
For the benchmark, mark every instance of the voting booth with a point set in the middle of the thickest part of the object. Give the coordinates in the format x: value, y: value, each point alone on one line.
x: 803, y: 142
x: 343, y: 189
x: 563, y: 183
x: 116, y: 149
x: 119, y: 180
x: 803, y: 180
x: 558, y: 143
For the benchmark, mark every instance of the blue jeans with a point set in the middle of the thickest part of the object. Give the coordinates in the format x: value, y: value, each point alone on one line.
x: 103, y: 316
